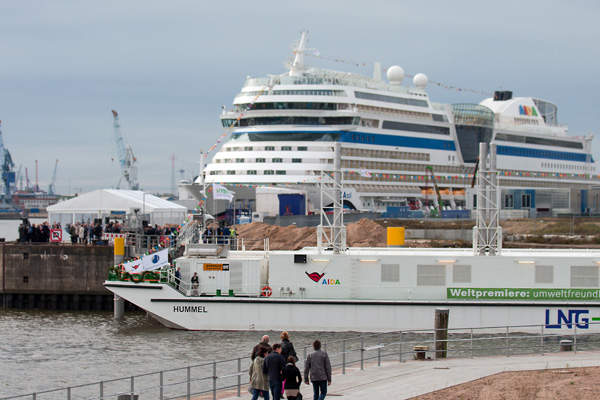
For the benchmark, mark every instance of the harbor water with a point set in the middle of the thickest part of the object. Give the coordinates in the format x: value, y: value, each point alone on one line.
x: 48, y: 349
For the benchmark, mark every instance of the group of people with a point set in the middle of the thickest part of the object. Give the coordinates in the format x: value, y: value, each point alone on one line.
x: 32, y: 233
x: 84, y: 233
x: 273, y: 368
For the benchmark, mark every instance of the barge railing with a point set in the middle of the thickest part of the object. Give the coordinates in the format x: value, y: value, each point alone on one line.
x: 367, y: 350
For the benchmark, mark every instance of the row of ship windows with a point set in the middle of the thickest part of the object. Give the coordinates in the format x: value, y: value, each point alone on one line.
x: 290, y: 120
x: 398, y: 155
x: 435, y: 275
x: 341, y: 93
x: 535, y: 140
x: 411, y: 114
x: 266, y: 148
x: 336, y: 106
x: 249, y: 172
x: 256, y: 160
x: 567, y: 166
x: 314, y: 92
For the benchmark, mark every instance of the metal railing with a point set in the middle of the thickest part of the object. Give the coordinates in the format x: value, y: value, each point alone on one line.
x: 363, y: 351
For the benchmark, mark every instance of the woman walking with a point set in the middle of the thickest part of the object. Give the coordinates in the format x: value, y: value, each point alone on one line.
x: 259, y: 382
x: 287, y: 348
x: 293, y: 379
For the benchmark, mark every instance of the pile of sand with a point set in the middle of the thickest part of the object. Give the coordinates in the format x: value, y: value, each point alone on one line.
x: 574, y: 383
x: 364, y: 233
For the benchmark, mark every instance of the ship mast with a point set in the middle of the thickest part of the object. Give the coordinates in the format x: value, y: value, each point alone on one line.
x: 297, y: 67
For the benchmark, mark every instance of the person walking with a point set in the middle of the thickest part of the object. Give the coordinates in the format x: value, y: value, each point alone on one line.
x: 259, y: 381
x: 287, y: 348
x: 264, y: 342
x: 273, y: 366
x: 292, y: 379
x: 319, y: 367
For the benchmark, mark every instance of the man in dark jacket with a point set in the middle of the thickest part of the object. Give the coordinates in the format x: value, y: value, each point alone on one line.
x: 273, y: 367
x: 319, y: 366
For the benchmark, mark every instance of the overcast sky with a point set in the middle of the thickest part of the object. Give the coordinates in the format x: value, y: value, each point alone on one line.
x: 168, y: 66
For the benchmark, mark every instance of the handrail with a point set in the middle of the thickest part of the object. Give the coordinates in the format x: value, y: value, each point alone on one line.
x: 357, y: 352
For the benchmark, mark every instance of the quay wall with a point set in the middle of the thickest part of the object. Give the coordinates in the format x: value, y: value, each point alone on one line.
x: 54, y: 276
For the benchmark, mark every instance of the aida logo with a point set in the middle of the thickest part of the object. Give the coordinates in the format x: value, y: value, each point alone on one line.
x: 330, y: 282
x: 314, y: 276
x: 527, y: 110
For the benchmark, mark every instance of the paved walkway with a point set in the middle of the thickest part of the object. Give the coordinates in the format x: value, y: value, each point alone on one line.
x: 394, y: 380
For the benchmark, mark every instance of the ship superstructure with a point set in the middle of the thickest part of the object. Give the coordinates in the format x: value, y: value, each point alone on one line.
x: 284, y: 127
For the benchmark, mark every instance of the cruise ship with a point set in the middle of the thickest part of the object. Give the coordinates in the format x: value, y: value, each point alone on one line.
x: 395, y: 142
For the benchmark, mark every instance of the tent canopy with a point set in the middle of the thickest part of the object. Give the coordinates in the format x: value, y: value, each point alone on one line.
x: 106, y: 202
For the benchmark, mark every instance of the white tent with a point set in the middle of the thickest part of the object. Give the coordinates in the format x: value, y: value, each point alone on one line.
x: 106, y: 202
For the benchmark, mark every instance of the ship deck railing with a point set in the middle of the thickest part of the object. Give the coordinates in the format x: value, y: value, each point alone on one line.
x: 230, y: 376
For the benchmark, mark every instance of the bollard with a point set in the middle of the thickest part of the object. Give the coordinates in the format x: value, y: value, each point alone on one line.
x: 132, y: 387
x: 441, y: 332
x: 566, y: 345
x: 420, y: 352
x: 102, y: 390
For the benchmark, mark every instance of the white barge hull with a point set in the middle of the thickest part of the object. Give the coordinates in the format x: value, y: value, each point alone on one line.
x: 250, y: 313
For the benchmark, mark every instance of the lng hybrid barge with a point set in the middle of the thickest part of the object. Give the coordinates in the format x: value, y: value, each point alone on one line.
x: 335, y: 288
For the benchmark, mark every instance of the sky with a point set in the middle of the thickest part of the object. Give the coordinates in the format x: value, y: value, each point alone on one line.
x: 167, y: 67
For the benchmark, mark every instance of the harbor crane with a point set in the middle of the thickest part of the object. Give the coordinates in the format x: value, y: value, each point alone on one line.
x: 126, y: 158
x: 8, y: 174
x: 52, y: 185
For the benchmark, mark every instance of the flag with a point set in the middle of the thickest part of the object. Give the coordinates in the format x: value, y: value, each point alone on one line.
x: 133, y: 267
x: 156, y: 260
x: 365, y: 173
x: 220, y: 192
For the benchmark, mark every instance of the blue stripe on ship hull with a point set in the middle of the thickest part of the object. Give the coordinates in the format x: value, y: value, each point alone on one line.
x: 382, y: 140
x: 437, y: 144
x: 537, y: 153
x: 398, y: 141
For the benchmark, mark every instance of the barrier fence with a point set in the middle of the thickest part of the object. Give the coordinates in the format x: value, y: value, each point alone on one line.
x: 362, y: 351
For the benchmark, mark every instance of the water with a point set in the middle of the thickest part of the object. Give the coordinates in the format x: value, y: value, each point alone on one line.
x: 9, y: 228
x: 49, y: 349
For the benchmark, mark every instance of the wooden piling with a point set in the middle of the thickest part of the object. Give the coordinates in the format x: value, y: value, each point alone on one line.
x: 441, y: 332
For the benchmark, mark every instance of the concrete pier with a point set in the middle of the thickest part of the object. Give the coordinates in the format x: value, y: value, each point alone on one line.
x: 55, y: 277
x: 394, y: 380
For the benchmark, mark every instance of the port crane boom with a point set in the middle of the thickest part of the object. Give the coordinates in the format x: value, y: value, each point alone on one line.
x: 8, y: 174
x: 127, y: 160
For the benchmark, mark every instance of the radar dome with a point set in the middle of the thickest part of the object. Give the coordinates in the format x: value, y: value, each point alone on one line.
x: 420, y: 81
x: 395, y: 74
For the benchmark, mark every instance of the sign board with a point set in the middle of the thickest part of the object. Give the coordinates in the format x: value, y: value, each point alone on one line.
x: 216, y: 267
x: 56, y: 235
x: 110, y: 237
